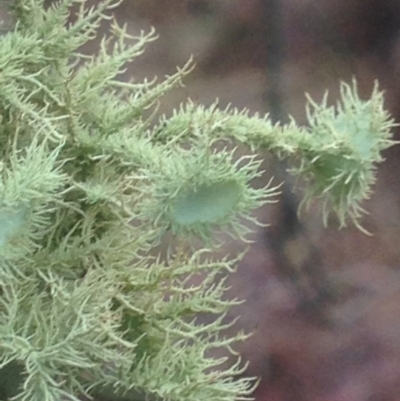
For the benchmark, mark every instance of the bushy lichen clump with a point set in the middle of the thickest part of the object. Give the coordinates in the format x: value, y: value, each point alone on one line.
x: 89, y: 186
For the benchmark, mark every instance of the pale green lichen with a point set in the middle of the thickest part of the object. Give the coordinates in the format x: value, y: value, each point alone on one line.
x: 91, y: 181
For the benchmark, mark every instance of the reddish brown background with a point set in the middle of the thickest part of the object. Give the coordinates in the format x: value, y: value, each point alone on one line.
x: 324, y: 304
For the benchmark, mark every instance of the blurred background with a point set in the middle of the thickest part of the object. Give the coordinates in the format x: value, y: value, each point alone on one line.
x: 324, y: 304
